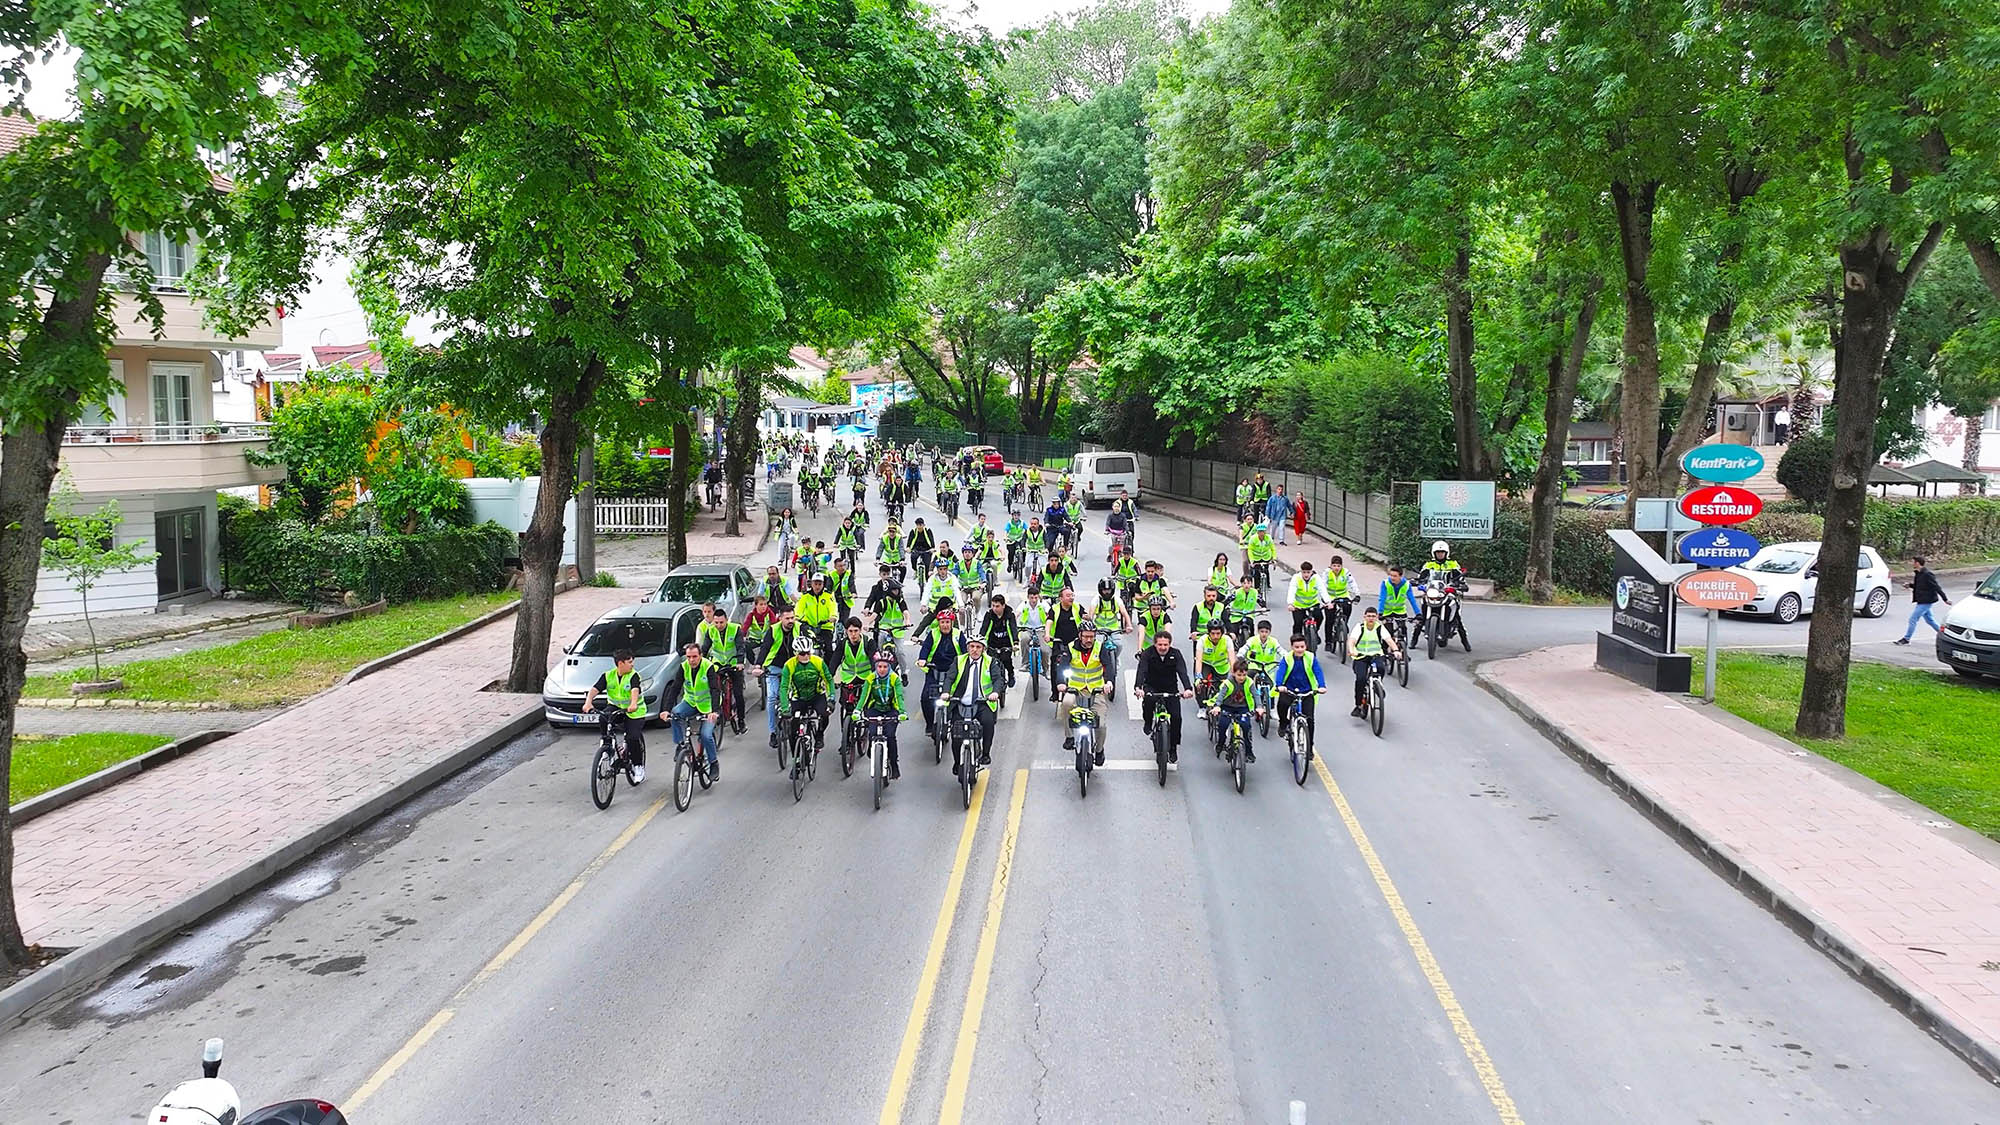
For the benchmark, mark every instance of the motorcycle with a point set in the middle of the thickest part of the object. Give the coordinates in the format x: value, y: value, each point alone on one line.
x: 209, y: 1100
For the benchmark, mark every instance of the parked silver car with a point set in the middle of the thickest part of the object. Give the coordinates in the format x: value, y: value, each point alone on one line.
x: 654, y: 631
x: 729, y: 585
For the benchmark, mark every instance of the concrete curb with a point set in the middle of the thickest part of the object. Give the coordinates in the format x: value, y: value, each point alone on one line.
x: 111, y: 775
x: 71, y: 703
x: 43, y: 656
x: 88, y: 964
x: 1767, y: 891
x: 451, y: 634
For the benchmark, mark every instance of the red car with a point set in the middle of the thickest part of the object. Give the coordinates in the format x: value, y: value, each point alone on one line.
x: 989, y: 456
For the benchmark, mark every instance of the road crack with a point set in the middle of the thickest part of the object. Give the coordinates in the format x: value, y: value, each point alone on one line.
x: 1036, y: 1031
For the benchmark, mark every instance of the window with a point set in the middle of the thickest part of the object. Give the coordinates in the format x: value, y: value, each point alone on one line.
x: 111, y: 412
x: 695, y: 588
x: 1992, y: 421
x: 173, y: 399
x: 645, y: 636
x: 168, y: 259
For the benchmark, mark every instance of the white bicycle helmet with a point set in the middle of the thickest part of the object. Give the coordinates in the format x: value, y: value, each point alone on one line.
x: 802, y: 647
x: 1440, y: 546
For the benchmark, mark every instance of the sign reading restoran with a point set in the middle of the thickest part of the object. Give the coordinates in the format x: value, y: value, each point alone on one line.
x: 1456, y: 509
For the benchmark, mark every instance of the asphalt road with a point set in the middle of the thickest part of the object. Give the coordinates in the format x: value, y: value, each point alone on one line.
x: 1450, y: 923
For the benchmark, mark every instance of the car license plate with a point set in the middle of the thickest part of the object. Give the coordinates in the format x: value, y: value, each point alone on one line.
x: 1968, y: 657
x: 581, y: 719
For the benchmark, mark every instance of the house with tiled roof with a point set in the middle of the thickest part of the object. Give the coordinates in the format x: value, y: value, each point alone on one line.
x: 156, y: 444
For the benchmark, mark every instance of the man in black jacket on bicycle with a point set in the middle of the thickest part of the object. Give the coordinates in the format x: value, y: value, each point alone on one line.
x: 1163, y: 670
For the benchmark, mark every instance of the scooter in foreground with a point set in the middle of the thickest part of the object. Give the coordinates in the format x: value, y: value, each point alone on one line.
x: 209, y: 1100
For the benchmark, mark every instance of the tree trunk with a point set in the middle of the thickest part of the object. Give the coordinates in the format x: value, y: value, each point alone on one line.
x: 1875, y: 286
x: 542, y: 543
x: 1565, y: 371
x: 1973, y: 443
x: 586, y: 509
x: 1639, y: 401
x: 1985, y: 256
x: 736, y: 452
x: 1461, y: 377
x: 677, y: 494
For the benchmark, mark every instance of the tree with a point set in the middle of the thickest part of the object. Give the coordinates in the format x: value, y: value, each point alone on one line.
x: 85, y: 549
x: 322, y: 436
x: 1909, y: 93
x: 1969, y: 384
x: 165, y: 86
x: 1806, y: 469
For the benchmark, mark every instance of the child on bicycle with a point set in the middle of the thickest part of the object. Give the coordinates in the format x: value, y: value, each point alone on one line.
x: 625, y: 690
x: 1298, y: 677
x: 1235, y: 701
x: 1371, y: 643
x: 1262, y: 651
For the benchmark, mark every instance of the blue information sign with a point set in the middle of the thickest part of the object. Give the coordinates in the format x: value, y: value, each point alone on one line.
x: 1723, y: 463
x: 1718, y: 546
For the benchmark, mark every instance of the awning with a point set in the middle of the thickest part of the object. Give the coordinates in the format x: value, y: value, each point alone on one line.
x: 1890, y: 474
x: 1934, y: 471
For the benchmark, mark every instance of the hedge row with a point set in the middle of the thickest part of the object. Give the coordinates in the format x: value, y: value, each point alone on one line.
x: 283, y: 558
x: 1901, y: 528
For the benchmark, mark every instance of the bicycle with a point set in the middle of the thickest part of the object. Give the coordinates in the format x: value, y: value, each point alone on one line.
x: 1083, y: 733
x: 965, y: 729
x: 878, y: 753
x: 1262, y: 688
x: 1260, y: 570
x: 1313, y: 616
x: 1336, y: 636
x: 614, y: 756
x: 1401, y: 627
x: 850, y: 727
x: 1034, y: 496
x: 690, y: 764
x: 1229, y: 744
x: 730, y: 714
x: 804, y: 753
x: 1016, y: 562
x: 1161, y: 720
x: 1117, y: 543
x: 1298, y: 738
x: 1034, y: 655
x: 1377, y: 697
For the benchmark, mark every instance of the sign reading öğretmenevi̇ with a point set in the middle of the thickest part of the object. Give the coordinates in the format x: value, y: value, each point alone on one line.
x: 1721, y: 463
x: 1455, y: 509
x: 1721, y: 504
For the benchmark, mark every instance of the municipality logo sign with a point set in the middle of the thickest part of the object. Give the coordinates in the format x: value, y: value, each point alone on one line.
x: 1719, y: 462
x: 1624, y: 596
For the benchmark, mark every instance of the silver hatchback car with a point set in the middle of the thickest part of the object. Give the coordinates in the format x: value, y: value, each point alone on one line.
x: 654, y: 631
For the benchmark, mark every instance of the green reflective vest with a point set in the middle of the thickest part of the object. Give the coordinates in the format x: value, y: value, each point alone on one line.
x: 695, y: 689
x: 721, y: 642
x: 1262, y: 547
x: 625, y: 691
x: 1368, y: 642
x: 1106, y: 615
x: 1287, y: 662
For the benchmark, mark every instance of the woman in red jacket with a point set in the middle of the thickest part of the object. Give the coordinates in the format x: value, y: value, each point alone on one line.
x: 1299, y: 517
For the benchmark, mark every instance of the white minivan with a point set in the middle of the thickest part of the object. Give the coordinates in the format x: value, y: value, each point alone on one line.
x: 1970, y: 639
x: 1101, y: 475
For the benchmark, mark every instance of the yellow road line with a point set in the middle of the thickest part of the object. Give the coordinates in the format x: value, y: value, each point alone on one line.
x: 507, y: 953
x: 982, y: 961
x: 920, y: 1007
x: 1461, y: 1025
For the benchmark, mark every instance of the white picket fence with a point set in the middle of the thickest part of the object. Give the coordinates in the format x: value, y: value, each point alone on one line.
x: 632, y: 517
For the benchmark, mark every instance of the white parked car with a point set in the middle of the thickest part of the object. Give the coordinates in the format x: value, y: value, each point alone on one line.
x: 1970, y: 638
x: 1787, y: 578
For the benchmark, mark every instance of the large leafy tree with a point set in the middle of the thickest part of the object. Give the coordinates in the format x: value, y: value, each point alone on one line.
x: 161, y: 86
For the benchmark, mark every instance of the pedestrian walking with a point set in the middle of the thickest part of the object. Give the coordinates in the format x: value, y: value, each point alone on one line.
x: 1925, y: 593
x: 1299, y: 517
x: 1278, y: 510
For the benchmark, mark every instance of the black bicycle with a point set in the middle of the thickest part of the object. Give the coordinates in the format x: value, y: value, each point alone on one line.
x: 1336, y: 634
x: 614, y: 757
x: 970, y: 741
x: 850, y: 726
x: 878, y: 752
x: 1313, y: 616
x: 1400, y: 626
x: 804, y: 751
x: 1298, y: 738
x: 1230, y: 744
x: 1160, y: 717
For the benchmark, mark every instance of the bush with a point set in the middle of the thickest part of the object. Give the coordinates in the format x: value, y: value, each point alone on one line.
x: 1901, y: 528
x: 1361, y: 419
x: 625, y: 475
x: 1806, y: 469
x: 278, y: 556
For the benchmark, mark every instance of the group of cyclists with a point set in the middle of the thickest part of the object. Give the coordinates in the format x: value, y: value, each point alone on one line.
x: 813, y: 637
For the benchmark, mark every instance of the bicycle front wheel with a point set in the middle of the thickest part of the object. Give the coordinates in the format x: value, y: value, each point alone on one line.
x: 1161, y: 740
x: 603, y: 777
x: 799, y: 752
x: 683, y: 780
x: 1301, y: 755
x: 1378, y: 704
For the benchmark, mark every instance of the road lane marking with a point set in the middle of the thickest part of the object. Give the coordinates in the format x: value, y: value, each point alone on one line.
x: 1461, y: 1025
x: 982, y: 961
x: 1109, y: 764
x: 507, y: 953
x: 1132, y: 700
x: 920, y: 1006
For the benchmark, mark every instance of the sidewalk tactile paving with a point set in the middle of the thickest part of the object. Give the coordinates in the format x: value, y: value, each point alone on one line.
x: 1898, y: 890
x: 99, y: 865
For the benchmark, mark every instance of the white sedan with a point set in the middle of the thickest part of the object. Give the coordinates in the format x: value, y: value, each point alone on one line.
x: 1787, y: 578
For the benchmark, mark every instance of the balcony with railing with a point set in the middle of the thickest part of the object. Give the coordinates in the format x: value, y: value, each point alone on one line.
x: 167, y: 457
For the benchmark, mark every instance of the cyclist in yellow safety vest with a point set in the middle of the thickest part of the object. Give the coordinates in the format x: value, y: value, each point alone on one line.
x: 1372, y: 642
x: 627, y: 692
x: 1084, y: 674
x: 701, y: 695
x: 882, y: 698
x: 1234, y: 701
x: 818, y: 610
x: 1260, y: 552
x: 1298, y: 677
x: 1213, y: 655
x: 722, y: 641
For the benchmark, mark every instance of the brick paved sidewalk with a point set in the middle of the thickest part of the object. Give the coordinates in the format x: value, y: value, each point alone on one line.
x: 1900, y: 896
x: 115, y: 858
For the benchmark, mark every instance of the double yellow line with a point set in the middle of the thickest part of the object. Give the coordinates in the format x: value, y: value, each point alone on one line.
x: 960, y: 1077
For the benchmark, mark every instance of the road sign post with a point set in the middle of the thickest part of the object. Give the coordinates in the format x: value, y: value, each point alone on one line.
x: 1714, y: 591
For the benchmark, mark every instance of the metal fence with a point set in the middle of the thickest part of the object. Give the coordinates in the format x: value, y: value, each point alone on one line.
x: 632, y: 517
x: 1357, y: 517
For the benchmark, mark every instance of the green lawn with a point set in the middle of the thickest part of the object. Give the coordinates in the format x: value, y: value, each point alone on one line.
x: 43, y: 762
x: 280, y: 667
x: 1929, y: 737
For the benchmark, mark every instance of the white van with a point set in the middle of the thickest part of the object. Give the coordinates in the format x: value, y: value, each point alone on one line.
x: 1970, y: 639
x: 1101, y: 475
